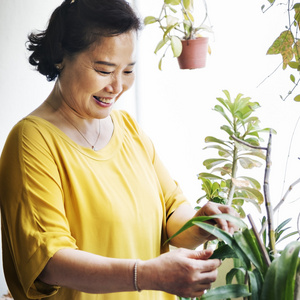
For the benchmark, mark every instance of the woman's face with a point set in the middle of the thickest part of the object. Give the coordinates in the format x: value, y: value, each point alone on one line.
x: 92, y: 81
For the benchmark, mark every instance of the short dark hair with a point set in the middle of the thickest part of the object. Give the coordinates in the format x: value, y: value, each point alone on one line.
x: 74, y: 26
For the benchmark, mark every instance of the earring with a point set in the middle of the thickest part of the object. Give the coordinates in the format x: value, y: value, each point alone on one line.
x: 58, y: 67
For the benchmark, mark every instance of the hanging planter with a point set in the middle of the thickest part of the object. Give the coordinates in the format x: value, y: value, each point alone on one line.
x: 180, y: 27
x: 194, y: 52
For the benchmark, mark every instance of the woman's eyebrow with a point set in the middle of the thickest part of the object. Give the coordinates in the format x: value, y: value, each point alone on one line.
x: 106, y: 63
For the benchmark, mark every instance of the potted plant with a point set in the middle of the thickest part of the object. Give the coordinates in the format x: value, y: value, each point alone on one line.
x: 182, y: 33
x: 261, y: 271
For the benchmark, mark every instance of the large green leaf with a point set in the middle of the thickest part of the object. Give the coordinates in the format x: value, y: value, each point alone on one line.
x: 279, y: 281
x: 224, y: 236
x: 247, y: 242
x: 255, y: 285
x: 227, y: 291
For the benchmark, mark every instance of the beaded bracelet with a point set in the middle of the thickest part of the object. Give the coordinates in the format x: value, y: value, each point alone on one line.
x: 135, y: 276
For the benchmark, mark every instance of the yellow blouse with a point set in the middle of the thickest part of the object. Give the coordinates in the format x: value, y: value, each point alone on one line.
x: 56, y: 194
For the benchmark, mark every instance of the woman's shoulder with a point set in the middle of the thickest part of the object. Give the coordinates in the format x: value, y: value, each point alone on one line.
x: 126, y: 121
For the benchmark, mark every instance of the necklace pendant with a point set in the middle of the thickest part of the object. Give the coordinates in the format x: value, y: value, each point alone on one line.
x: 93, y: 147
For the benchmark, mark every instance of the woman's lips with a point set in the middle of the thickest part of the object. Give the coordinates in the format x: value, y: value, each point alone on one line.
x: 104, y: 100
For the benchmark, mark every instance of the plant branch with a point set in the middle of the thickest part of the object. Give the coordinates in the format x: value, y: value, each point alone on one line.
x: 266, y: 188
x: 267, y: 197
x: 247, y: 144
x: 260, y: 243
x: 286, y: 194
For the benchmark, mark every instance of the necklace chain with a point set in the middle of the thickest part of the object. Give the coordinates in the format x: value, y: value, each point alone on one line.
x: 92, y: 145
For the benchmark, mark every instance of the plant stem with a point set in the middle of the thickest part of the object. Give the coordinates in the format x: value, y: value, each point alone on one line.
x: 233, y: 175
x: 260, y: 243
x: 267, y: 197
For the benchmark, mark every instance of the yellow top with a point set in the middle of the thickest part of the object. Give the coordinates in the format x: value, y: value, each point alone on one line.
x: 56, y: 194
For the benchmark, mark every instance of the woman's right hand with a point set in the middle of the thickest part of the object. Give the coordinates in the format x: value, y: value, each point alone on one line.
x: 182, y: 272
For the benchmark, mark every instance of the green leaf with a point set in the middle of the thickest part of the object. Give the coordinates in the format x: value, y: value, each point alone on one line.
x: 160, y: 64
x: 220, y: 109
x: 280, y: 278
x: 287, y: 236
x: 150, y: 20
x: 248, y: 163
x: 229, y: 152
x: 292, y: 77
x: 254, y: 193
x: 297, y: 98
x: 211, y: 139
x: 254, y: 183
x: 227, y: 291
x: 172, y: 2
x: 210, y: 163
x: 247, y: 242
x: 238, y: 273
x: 293, y: 64
x: 227, y: 129
x: 161, y: 44
x: 255, y: 286
x: 283, y: 45
x: 223, y: 252
x: 188, y: 4
x: 208, y: 176
x: 176, y: 46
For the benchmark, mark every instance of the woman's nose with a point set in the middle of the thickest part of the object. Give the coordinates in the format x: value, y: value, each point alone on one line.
x: 115, y: 86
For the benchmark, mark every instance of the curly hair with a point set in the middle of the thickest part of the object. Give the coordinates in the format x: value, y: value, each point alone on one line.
x: 74, y: 26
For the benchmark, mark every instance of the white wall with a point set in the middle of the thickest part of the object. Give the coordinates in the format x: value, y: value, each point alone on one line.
x: 175, y: 106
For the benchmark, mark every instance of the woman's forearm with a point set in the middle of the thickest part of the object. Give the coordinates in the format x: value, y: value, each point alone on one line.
x: 88, y: 272
x: 190, y: 238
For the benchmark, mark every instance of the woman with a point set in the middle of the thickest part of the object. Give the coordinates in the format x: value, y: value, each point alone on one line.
x: 86, y: 203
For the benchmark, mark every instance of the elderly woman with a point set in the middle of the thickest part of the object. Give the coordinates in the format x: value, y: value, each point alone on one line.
x: 86, y: 203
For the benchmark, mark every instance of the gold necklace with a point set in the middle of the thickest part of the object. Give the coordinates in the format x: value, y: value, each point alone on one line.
x: 92, y: 145
x: 67, y: 119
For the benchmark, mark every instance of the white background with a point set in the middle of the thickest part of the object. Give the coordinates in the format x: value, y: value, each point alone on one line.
x: 175, y: 106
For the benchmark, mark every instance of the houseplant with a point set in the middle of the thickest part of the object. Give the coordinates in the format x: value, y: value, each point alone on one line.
x: 287, y: 44
x: 261, y: 270
x: 181, y: 32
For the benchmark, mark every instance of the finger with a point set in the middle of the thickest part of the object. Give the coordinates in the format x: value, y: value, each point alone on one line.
x: 203, y: 254
x: 209, y: 265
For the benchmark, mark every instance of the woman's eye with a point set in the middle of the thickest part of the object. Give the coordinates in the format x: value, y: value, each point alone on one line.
x: 128, y: 72
x: 103, y: 72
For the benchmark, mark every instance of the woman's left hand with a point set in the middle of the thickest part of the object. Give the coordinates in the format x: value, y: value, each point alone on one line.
x: 211, y: 208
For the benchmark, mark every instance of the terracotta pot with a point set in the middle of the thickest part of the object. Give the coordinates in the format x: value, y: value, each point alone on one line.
x: 194, y: 52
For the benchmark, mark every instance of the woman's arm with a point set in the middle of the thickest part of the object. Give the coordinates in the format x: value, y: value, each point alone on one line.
x: 88, y: 272
x: 183, y: 272
x: 194, y: 236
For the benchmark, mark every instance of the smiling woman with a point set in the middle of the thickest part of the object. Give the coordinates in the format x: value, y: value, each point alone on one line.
x: 86, y: 203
